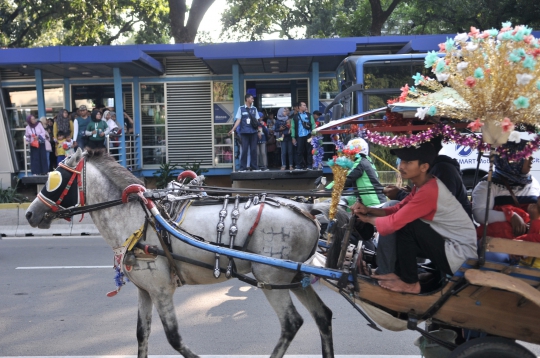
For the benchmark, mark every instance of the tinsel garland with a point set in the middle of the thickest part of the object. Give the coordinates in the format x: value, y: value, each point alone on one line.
x: 317, y: 152
x: 449, y: 134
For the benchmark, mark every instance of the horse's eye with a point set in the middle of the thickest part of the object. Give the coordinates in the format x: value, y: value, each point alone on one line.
x: 54, y: 181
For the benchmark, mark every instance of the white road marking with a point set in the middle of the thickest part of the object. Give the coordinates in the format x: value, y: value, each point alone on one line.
x: 62, y: 267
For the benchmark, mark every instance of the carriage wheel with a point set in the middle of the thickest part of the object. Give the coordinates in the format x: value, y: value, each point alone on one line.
x: 493, y: 347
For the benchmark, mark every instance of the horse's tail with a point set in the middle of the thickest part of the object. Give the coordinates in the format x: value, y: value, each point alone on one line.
x: 342, y: 218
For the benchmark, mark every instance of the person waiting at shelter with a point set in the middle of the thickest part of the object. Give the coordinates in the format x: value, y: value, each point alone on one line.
x: 262, y: 137
x: 96, y: 131
x: 283, y: 130
x: 247, y: 118
x: 363, y: 177
x: 301, y: 127
x: 429, y: 223
x: 79, y: 127
x: 513, y: 197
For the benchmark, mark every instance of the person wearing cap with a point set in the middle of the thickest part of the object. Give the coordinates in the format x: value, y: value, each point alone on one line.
x: 245, y: 116
x: 448, y: 171
x: 429, y: 223
x: 363, y: 177
x: 79, y: 127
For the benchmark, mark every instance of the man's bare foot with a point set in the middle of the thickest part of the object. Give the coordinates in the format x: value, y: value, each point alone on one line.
x: 389, y: 276
x: 400, y: 286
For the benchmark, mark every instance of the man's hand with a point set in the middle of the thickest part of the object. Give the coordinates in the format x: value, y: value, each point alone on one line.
x: 294, y: 141
x: 518, y: 225
x: 359, y: 209
x: 391, y: 191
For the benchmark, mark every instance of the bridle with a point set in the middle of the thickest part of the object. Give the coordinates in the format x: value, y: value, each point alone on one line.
x: 77, y: 174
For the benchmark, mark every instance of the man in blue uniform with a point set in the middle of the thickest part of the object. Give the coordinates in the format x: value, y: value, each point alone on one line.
x: 247, y: 117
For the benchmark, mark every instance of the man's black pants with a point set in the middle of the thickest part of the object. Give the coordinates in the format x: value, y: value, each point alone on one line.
x: 303, y: 153
x: 418, y: 239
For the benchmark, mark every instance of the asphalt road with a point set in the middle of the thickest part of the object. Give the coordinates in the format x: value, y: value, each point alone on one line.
x: 47, y: 311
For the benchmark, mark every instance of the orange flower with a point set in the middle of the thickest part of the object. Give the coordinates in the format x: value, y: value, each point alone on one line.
x: 470, y: 81
x: 476, y: 125
x: 507, y: 125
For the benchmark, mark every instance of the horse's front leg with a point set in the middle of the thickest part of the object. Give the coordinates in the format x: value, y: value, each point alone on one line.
x: 289, y: 319
x: 165, y: 307
x: 322, y: 316
x: 144, y: 323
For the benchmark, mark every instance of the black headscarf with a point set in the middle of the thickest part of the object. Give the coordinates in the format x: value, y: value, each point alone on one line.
x: 63, y: 123
x: 94, y: 116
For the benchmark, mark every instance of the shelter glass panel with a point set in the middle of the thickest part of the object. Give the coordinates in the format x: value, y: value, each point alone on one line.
x: 153, y: 123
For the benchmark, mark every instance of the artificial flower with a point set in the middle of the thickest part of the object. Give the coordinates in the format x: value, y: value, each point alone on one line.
x: 474, y: 31
x: 506, y: 26
x: 529, y: 62
x: 449, y: 44
x: 430, y: 59
x: 507, y: 125
x: 421, y: 113
x: 417, y: 78
x: 442, y: 47
x: 479, y: 73
x: 523, y: 79
x: 412, y: 89
x: 404, y: 89
x: 514, y: 137
x: 462, y: 66
x: 458, y: 54
x: 471, y: 46
x: 470, y: 81
x: 505, y: 36
x: 441, y: 66
x: 432, y: 111
x: 461, y: 37
x: 493, y: 32
x: 442, y: 77
x: 483, y: 35
x: 528, y: 39
x: 521, y: 102
x: 538, y: 85
x: 476, y: 125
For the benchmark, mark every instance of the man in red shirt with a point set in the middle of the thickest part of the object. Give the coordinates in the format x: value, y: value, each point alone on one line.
x: 429, y: 223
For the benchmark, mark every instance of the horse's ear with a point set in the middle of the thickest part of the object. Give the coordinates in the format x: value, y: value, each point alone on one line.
x: 75, y: 158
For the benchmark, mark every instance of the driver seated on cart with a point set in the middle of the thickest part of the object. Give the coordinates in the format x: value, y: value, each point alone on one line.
x: 430, y: 222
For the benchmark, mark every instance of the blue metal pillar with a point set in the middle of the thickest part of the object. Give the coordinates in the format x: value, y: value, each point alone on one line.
x: 314, y: 87
x: 119, y: 107
x: 42, y: 112
x: 137, y: 129
x: 237, y: 90
x: 67, y: 96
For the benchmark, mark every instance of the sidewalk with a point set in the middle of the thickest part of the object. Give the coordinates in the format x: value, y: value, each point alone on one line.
x: 13, y: 223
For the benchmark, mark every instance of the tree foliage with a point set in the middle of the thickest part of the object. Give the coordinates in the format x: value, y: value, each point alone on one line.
x: 29, y: 23
x: 345, y: 18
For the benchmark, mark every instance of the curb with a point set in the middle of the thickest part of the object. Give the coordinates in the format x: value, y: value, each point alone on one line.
x: 13, y: 223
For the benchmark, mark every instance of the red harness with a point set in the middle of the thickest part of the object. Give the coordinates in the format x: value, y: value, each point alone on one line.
x: 76, y: 173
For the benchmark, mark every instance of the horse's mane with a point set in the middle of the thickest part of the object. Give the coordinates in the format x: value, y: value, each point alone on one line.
x: 115, y: 172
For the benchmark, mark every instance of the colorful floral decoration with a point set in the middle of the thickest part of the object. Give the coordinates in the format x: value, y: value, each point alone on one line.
x: 340, y: 165
x: 493, y: 72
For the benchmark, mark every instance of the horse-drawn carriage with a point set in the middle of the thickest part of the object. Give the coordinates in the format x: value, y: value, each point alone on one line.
x: 178, y: 236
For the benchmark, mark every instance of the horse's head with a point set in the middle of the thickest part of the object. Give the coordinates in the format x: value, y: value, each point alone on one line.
x: 54, y: 196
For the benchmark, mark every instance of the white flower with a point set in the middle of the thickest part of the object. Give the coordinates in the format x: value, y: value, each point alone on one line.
x: 441, y: 77
x: 461, y: 37
x: 514, y: 137
x: 523, y: 79
x: 421, y: 112
x: 461, y: 66
x: 457, y: 54
x: 471, y: 46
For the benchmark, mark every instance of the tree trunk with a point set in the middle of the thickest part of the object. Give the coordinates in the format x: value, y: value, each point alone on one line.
x: 180, y: 31
x: 379, y: 16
